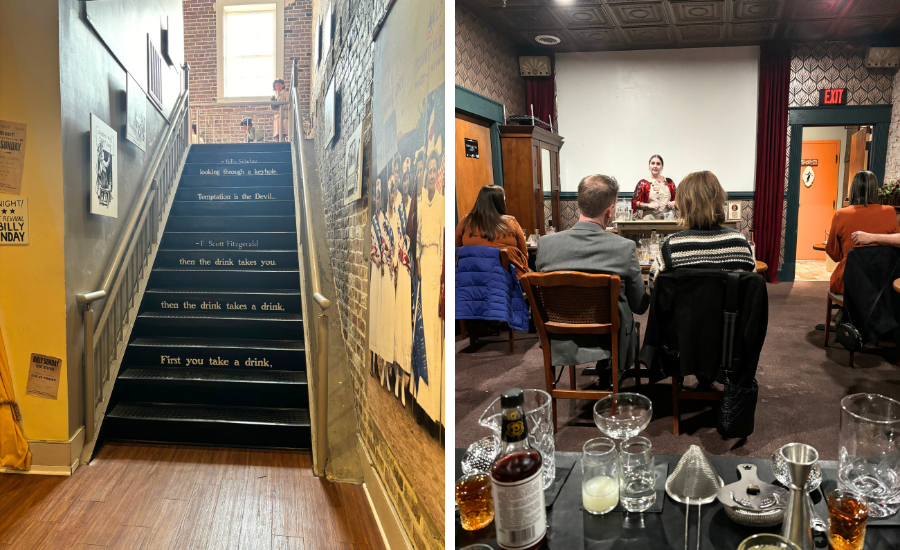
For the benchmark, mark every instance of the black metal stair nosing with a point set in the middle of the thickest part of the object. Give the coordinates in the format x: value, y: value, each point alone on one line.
x: 111, y: 414
x: 211, y: 381
x: 222, y: 344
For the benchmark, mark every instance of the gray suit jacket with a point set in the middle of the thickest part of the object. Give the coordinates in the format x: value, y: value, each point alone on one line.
x: 587, y: 248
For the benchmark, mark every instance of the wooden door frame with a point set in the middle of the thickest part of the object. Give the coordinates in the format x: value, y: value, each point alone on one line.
x: 877, y: 116
x: 493, y: 113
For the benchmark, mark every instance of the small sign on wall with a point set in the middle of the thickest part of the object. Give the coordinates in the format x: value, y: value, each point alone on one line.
x: 471, y: 148
x: 833, y: 96
x: 809, y: 162
x: 14, y: 221
x: 43, y: 376
x: 809, y: 176
x: 734, y: 210
x: 12, y: 156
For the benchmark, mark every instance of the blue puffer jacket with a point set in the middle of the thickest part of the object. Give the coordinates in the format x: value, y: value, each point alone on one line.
x: 484, y: 290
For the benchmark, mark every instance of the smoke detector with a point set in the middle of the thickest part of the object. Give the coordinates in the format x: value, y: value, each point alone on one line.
x: 547, y: 39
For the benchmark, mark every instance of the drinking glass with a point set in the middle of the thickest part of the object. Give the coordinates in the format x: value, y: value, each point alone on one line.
x: 533, y: 238
x: 475, y: 501
x: 869, y: 452
x: 600, y: 476
x: 637, y: 474
x: 539, y: 416
x: 767, y: 541
x: 847, y: 515
x: 623, y: 415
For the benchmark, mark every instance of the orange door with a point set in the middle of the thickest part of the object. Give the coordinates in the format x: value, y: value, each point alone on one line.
x: 471, y: 173
x: 817, y: 200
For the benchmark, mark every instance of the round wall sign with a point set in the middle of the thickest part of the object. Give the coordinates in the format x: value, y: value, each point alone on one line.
x: 809, y: 176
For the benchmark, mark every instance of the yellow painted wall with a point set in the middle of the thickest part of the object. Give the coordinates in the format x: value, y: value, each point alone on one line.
x: 32, y: 277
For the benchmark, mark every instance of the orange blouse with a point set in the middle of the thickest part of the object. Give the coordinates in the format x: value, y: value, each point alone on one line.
x: 514, y: 243
x: 873, y: 218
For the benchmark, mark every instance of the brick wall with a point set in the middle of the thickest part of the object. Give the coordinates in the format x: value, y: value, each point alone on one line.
x: 350, y: 64
x: 221, y: 124
x: 893, y: 153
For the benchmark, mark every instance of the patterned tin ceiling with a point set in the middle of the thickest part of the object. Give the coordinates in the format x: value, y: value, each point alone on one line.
x: 594, y: 25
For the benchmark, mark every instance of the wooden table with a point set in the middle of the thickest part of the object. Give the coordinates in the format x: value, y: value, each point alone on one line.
x: 897, y: 285
x: 761, y: 267
x: 819, y: 247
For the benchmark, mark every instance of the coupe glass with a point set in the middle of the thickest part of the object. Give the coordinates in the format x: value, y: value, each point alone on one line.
x: 539, y: 416
x: 623, y: 415
x: 869, y: 453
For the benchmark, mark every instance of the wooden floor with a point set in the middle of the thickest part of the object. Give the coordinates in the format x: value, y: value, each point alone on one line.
x: 143, y: 497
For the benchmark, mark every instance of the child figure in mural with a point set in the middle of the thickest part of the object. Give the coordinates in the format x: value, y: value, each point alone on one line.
x: 419, y: 359
x: 377, y: 272
x: 281, y: 116
x: 402, y: 285
x: 249, y: 130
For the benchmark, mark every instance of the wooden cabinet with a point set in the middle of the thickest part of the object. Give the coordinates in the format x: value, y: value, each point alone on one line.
x: 531, y: 169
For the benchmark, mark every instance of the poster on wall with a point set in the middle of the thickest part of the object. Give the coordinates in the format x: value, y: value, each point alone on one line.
x: 43, y: 376
x: 353, y: 166
x: 14, y: 221
x: 136, y: 108
x: 406, y: 322
x: 328, y: 121
x: 12, y: 156
x: 104, y: 157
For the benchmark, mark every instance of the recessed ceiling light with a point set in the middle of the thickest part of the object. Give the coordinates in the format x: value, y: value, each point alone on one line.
x: 547, y: 39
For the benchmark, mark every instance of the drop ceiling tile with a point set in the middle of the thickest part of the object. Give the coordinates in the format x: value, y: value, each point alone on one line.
x: 582, y: 16
x: 648, y: 35
x: 597, y: 38
x: 752, y: 31
x: 529, y: 18
x: 639, y: 14
x: 814, y: 9
x: 862, y: 8
x: 755, y: 10
x: 698, y: 12
x: 700, y: 33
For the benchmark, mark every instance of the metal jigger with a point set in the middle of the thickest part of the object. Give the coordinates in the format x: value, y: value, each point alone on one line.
x: 800, y: 459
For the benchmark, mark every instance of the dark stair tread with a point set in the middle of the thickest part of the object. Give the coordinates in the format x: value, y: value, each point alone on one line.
x: 227, y: 314
x: 184, y: 290
x: 221, y: 343
x: 210, y: 413
x: 219, y: 270
x: 214, y: 375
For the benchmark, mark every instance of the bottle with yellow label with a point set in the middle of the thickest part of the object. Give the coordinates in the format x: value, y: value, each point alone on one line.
x: 517, y: 481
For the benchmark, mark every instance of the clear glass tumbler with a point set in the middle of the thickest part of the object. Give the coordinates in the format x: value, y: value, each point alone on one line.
x: 637, y: 474
x: 767, y: 541
x: 848, y: 513
x: 600, y: 475
x: 869, y: 452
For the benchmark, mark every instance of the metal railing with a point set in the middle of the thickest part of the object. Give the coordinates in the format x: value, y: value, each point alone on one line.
x: 105, y: 340
x: 213, y: 123
x: 317, y: 346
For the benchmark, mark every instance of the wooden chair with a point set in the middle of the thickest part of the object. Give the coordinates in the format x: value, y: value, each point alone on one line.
x: 568, y: 302
x: 504, y: 261
x: 832, y: 304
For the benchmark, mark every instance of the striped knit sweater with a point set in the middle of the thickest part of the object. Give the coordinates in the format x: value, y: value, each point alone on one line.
x: 713, y: 248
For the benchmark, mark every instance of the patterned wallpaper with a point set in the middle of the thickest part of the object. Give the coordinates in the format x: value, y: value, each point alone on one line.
x: 837, y: 65
x: 487, y: 63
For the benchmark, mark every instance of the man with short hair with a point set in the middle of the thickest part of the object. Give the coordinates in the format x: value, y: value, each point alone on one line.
x: 588, y: 248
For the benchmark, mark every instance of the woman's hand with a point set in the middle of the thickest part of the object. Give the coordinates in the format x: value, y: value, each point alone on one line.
x: 862, y: 238
x: 671, y: 205
x: 653, y: 206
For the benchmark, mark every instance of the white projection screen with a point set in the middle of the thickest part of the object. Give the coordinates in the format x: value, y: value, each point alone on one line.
x: 695, y: 107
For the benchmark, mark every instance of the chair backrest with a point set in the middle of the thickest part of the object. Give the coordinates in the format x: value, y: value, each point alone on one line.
x: 569, y: 302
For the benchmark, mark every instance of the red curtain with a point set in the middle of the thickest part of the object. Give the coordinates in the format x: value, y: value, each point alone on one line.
x: 539, y: 91
x: 771, y: 148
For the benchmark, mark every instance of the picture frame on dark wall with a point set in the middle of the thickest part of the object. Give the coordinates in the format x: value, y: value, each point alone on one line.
x: 353, y: 166
x: 104, y: 160
x: 328, y: 114
x: 136, y: 114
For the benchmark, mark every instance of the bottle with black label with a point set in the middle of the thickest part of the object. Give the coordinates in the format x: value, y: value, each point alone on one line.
x: 517, y: 481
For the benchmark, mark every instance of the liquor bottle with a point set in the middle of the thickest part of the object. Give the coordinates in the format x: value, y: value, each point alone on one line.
x: 517, y: 481
x: 752, y: 245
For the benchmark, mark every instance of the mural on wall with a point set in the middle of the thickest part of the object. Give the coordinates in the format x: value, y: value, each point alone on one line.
x: 406, y: 324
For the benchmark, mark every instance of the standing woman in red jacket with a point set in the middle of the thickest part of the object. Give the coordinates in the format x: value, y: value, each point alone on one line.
x: 655, y: 196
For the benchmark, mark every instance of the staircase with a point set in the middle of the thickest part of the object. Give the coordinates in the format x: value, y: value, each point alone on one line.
x: 216, y: 356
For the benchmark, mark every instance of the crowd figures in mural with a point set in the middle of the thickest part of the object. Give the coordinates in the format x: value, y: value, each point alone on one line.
x: 406, y: 252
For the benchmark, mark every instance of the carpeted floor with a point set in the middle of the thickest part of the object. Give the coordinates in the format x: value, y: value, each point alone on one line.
x: 801, y: 385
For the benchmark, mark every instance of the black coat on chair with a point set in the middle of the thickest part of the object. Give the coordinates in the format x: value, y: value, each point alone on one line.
x: 872, y: 306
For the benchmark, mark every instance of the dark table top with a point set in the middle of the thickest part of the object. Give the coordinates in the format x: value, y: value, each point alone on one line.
x: 571, y: 528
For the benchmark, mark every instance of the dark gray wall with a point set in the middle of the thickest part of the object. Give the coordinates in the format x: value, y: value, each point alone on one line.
x: 93, y: 81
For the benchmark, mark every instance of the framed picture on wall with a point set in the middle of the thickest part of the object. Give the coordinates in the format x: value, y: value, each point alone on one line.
x: 353, y: 166
x: 104, y: 179
x: 328, y: 122
x: 733, y: 209
x: 136, y: 119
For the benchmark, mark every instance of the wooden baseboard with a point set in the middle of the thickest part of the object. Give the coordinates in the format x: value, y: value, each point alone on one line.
x: 395, y: 537
x: 55, y: 458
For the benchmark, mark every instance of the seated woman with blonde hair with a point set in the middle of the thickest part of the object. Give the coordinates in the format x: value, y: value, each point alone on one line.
x: 489, y: 225
x: 705, y: 244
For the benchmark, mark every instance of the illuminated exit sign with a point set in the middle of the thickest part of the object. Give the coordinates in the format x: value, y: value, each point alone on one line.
x: 833, y: 96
